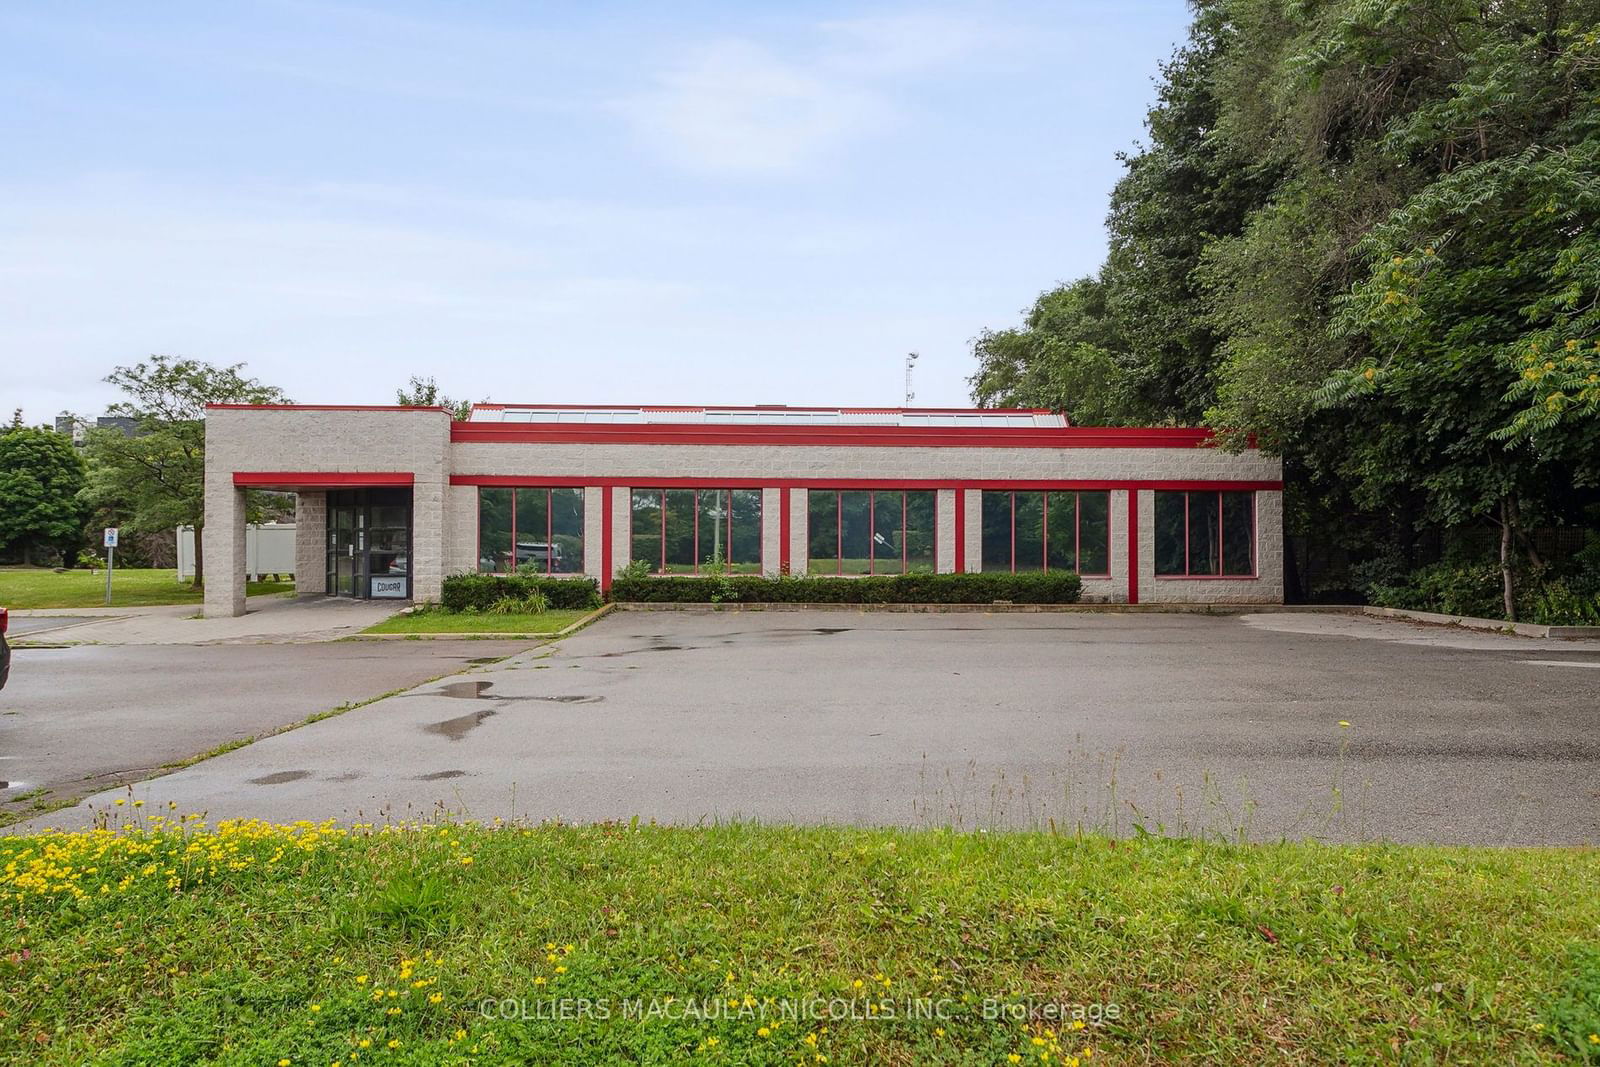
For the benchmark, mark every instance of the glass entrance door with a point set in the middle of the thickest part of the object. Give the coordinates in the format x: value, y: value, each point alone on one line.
x: 369, y: 543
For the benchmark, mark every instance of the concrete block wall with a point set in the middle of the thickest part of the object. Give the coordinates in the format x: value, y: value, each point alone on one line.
x: 310, y: 543
x: 621, y: 527
x: 771, y: 531
x: 323, y: 441
x: 222, y: 547
x: 461, y: 529
x: 799, y: 536
x: 593, y: 524
x: 944, y: 525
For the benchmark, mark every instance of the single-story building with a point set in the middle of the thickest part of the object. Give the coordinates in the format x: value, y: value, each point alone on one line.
x: 390, y: 500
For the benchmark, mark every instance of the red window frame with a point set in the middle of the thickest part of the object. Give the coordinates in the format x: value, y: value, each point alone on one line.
x: 1222, y: 561
x: 660, y: 570
x: 872, y: 530
x: 1044, y: 533
x: 549, y: 527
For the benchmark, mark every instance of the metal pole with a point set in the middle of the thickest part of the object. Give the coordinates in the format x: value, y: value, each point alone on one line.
x: 111, y: 555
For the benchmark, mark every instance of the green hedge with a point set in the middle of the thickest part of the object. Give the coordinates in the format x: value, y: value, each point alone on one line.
x: 1045, y: 587
x: 477, y: 592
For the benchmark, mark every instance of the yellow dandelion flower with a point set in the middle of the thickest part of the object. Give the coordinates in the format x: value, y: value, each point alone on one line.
x: 394, y: 1042
x: 466, y: 861
x: 763, y: 1032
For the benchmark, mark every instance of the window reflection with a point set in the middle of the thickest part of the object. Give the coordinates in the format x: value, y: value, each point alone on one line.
x: 1028, y: 530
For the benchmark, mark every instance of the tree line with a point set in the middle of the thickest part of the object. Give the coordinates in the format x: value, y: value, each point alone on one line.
x: 1362, y: 234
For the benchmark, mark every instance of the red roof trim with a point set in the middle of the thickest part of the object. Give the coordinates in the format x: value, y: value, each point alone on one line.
x: 758, y: 482
x: 322, y: 407
x: 884, y: 436
x: 321, y: 479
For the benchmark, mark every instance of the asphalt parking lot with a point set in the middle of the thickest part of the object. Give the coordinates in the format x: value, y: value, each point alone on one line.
x: 1220, y: 725
x: 76, y: 719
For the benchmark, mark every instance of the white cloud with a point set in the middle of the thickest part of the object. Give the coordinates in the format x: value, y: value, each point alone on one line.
x: 737, y: 106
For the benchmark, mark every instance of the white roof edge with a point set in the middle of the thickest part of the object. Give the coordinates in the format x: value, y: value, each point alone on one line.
x: 767, y: 416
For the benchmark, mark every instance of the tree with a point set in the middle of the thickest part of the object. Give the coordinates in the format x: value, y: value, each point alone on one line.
x: 1067, y: 356
x: 155, y: 476
x: 425, y: 393
x: 41, y: 475
x: 1366, y: 233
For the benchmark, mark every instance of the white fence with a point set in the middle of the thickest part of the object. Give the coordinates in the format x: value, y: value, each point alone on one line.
x: 268, y: 549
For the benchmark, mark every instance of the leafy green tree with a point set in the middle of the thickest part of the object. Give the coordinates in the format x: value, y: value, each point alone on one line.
x: 425, y: 393
x: 154, y: 478
x: 1066, y: 356
x: 1366, y: 233
x: 41, y: 475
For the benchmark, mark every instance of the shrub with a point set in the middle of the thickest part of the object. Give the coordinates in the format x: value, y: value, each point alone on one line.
x: 481, y: 592
x: 532, y: 604
x: 1558, y: 604
x: 1043, y: 587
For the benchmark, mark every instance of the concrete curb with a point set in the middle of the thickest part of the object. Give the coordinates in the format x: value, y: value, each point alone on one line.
x: 570, y: 628
x: 1521, y: 629
x: 1021, y: 609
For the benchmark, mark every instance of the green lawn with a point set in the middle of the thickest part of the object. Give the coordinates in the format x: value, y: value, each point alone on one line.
x: 34, y: 587
x: 262, y: 945
x: 446, y: 622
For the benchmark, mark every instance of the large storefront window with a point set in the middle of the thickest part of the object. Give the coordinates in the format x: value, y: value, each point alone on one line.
x: 876, y: 531
x: 1205, y: 534
x: 684, y: 531
x: 1037, y: 531
x: 537, y: 531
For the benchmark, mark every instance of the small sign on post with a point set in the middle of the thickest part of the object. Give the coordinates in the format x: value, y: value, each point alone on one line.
x: 111, y: 556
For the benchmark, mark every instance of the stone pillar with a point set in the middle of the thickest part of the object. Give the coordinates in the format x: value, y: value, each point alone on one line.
x: 621, y: 529
x: 461, y: 529
x: 944, y: 525
x: 310, y: 543
x: 427, y: 537
x: 594, y: 545
x: 799, y: 531
x: 974, y: 530
x: 771, y: 532
x: 223, y: 545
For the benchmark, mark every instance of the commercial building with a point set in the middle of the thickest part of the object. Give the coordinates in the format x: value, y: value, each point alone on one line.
x: 391, y: 500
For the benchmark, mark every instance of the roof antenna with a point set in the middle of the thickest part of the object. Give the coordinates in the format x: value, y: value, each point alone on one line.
x: 911, y: 362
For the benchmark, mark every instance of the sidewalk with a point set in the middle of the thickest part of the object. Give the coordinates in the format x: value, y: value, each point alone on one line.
x: 267, y: 620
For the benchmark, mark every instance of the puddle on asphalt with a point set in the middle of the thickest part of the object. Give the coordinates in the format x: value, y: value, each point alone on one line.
x: 280, y: 777
x: 466, y: 690
x: 832, y: 630
x: 440, y: 775
x: 457, y: 728
x: 348, y: 776
x: 483, y: 661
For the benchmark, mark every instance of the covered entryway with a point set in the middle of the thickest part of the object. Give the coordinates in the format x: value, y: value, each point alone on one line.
x: 369, y: 544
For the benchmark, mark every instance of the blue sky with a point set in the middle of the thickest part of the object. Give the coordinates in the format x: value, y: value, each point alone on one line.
x: 638, y: 203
